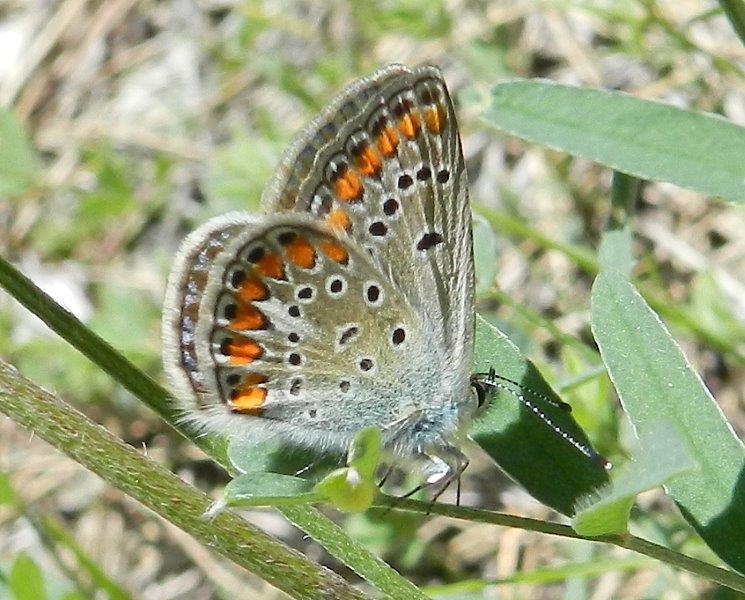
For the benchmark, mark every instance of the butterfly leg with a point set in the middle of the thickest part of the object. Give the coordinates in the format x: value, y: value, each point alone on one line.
x: 385, y: 476
x: 443, y: 468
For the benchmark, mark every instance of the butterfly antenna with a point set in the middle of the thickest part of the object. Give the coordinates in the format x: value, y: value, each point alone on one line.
x: 498, y: 381
x: 493, y: 378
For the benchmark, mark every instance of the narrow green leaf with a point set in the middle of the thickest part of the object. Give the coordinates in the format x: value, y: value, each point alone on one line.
x: 661, y: 455
x: 527, y: 448
x: 18, y: 163
x: 97, y: 575
x: 655, y: 383
x: 650, y: 140
x: 615, y: 252
x: 268, y: 489
x: 7, y: 493
x: 26, y: 579
x: 352, y: 553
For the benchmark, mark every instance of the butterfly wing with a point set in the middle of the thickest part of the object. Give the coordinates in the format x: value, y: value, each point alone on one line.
x: 384, y: 166
x: 349, y: 304
x: 279, y: 319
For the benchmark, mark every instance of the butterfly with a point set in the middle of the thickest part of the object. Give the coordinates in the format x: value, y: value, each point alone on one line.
x: 349, y: 302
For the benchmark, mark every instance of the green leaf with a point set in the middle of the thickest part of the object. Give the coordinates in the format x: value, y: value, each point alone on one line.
x: 655, y: 383
x: 661, y: 456
x: 268, y: 489
x: 647, y: 139
x: 528, y: 449
x: 27, y: 579
x: 364, y: 452
x: 615, y: 252
x: 18, y: 162
x: 347, y: 490
x: 350, y: 489
x: 276, y: 456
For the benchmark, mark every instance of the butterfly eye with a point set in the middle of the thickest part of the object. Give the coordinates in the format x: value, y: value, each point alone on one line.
x: 484, y: 391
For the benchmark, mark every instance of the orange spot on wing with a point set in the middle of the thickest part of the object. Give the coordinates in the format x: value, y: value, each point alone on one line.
x: 253, y: 290
x: 243, y: 351
x: 369, y: 162
x: 339, y: 220
x: 249, y: 400
x: 435, y: 118
x: 348, y: 187
x: 301, y: 253
x: 271, y: 266
x: 335, y: 252
x: 248, y: 317
x: 388, y: 142
x: 409, y: 125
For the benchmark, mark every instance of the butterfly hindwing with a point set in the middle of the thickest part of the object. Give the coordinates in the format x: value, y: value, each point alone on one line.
x: 280, y: 319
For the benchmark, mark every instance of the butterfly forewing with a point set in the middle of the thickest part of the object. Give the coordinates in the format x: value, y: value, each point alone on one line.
x: 390, y: 175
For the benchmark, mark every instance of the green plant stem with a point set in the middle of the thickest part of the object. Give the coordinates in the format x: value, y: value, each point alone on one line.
x: 735, y: 11
x: 724, y: 577
x: 593, y: 568
x: 310, y: 520
x: 160, y: 490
